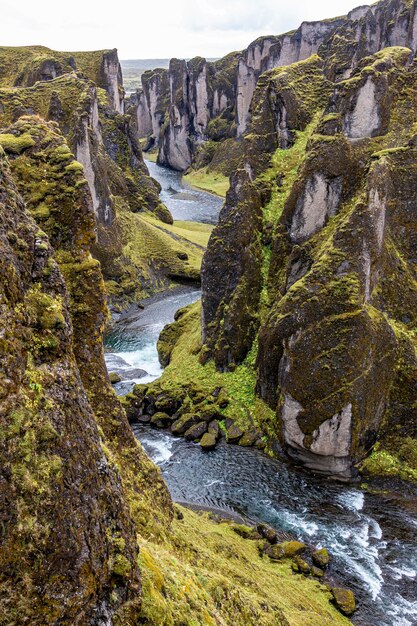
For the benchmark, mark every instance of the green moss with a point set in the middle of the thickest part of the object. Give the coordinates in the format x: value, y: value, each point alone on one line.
x: 206, y: 572
x: 246, y: 409
x: 395, y: 457
x: 214, y: 182
x: 16, y: 144
x: 121, y: 566
x: 74, y: 166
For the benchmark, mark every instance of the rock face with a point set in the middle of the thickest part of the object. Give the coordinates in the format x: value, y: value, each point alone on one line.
x: 198, y: 101
x: 232, y: 304
x: 180, y: 108
x: 199, y: 91
x: 266, y: 53
x: 232, y: 266
x: 26, y: 66
x: 105, y: 142
x: 151, y: 104
x: 63, y: 505
x: 335, y: 334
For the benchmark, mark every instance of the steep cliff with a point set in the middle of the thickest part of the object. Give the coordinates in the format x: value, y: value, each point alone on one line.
x: 87, y: 528
x: 179, y: 108
x: 207, y: 103
x: 335, y: 338
x: 68, y: 492
x: 125, y: 199
x: 309, y: 280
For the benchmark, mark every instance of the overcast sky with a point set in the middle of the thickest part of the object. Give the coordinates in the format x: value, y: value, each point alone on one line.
x: 156, y: 28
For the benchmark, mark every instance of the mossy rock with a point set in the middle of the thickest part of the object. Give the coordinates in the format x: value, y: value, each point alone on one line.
x: 300, y: 566
x: 208, y: 441
x: 268, y: 533
x: 247, y: 532
x: 233, y: 434
x: 344, y: 599
x: 249, y: 438
x: 214, y: 429
x: 317, y: 572
x: 321, y: 558
x: 169, y: 401
x: 114, y: 378
x: 182, y: 424
x: 160, y: 420
x: 285, y: 550
x: 196, y: 432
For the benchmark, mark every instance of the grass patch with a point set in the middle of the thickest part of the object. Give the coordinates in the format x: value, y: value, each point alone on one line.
x: 213, y: 182
x: 162, y: 245
x: 205, y: 574
x: 245, y: 407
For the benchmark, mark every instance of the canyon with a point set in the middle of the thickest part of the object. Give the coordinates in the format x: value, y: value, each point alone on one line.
x: 302, y: 347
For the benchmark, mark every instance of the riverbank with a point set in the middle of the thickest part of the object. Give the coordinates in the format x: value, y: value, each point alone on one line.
x: 213, y: 182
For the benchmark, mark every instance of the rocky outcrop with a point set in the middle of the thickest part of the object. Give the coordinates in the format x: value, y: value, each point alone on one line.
x: 151, y: 104
x: 266, y: 53
x: 110, y: 79
x: 182, y: 107
x: 367, y: 30
x: 105, y: 142
x: 330, y: 348
x: 25, y: 66
x: 197, y: 96
x: 232, y: 266
x: 215, y: 99
x: 64, y: 506
x: 231, y: 282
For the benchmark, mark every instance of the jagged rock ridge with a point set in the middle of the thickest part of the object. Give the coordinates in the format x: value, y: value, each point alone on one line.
x: 197, y: 101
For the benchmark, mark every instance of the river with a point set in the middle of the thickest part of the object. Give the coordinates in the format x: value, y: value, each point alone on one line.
x: 372, y: 537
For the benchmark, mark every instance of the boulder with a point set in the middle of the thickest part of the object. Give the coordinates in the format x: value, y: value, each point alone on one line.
x: 344, y: 599
x: 196, y: 431
x: 249, y: 438
x: 144, y: 419
x: 321, y: 558
x: 182, y: 424
x: 114, y: 378
x: 267, y: 533
x: 285, y: 550
x: 208, y: 441
x: 160, y: 420
x: 214, y: 429
x: 300, y: 566
x: 169, y: 401
x: 317, y: 572
x: 233, y: 434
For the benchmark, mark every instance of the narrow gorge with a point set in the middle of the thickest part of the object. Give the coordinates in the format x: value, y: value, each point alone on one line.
x: 208, y: 337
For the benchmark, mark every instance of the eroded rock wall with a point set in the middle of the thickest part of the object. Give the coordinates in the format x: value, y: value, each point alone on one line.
x: 334, y: 333
x: 69, y: 544
x: 105, y: 142
x: 203, y: 110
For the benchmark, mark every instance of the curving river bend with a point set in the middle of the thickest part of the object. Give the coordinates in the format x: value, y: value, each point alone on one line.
x: 372, y: 538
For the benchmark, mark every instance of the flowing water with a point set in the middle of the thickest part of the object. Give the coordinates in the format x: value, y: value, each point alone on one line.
x: 372, y: 538
x: 185, y: 202
x: 131, y: 347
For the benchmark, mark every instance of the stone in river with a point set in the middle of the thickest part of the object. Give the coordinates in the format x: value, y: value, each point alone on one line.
x: 208, y: 441
x: 196, y: 431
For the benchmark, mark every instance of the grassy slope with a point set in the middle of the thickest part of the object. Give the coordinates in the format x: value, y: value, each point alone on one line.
x: 184, y: 367
x: 205, y: 574
x: 214, y: 182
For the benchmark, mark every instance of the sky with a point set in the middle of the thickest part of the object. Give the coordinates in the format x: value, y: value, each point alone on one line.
x: 157, y: 28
